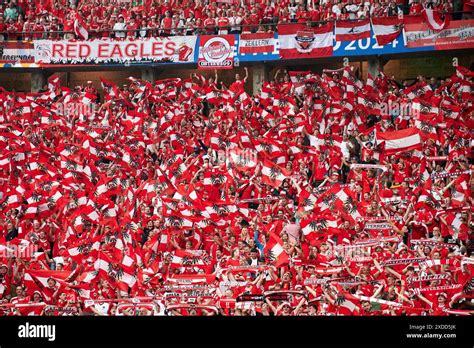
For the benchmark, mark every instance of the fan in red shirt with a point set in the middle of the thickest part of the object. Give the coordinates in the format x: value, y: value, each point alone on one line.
x: 415, y: 7
x: 210, y: 24
x: 166, y: 24
x: 223, y: 23
x: 132, y: 27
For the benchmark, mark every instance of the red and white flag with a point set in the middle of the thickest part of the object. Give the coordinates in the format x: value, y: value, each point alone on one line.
x: 401, y: 140
x: 272, y: 174
x: 455, y: 225
x: 243, y: 161
x: 256, y: 43
x: 386, y: 29
x: 419, y: 89
x: 463, y: 72
x: 461, y: 191
x: 435, y: 20
x: 80, y: 28
x: 425, y: 107
x: 352, y: 30
x: 188, y: 258
x: 298, y: 78
x: 122, y: 272
x: 274, y: 250
x: 316, y: 225
x: 299, y: 41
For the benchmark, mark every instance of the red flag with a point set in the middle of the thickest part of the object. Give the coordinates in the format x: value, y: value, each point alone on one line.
x: 315, y: 224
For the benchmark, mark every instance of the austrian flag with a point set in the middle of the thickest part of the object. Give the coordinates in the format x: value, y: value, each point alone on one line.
x: 274, y: 251
x: 348, y: 31
x: 299, y: 41
x: 188, y: 258
x: 386, y: 29
x: 401, y: 140
x: 121, y: 272
x: 256, y: 43
x: 298, y: 78
x: 273, y: 174
x: 315, y: 226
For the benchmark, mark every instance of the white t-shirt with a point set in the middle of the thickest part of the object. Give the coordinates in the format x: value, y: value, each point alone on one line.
x: 345, y: 150
x: 120, y: 26
x: 292, y: 10
x: 352, y: 9
x: 234, y: 22
x: 102, y: 308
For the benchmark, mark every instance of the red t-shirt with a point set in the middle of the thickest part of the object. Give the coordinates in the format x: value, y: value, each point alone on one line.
x: 167, y: 23
x: 223, y: 22
x: 209, y: 22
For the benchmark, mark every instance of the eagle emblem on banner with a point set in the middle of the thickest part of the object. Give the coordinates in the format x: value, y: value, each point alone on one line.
x: 304, y: 40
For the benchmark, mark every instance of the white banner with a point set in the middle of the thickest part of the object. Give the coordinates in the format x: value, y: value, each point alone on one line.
x: 369, y: 166
x: 175, y: 49
x: 378, y: 226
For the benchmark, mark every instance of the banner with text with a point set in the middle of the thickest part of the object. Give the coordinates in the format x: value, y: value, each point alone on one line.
x: 17, y: 54
x: 216, y: 52
x: 174, y: 49
x: 458, y: 35
x: 257, y: 47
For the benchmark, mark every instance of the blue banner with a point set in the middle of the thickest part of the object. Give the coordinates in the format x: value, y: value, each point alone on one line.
x: 369, y: 46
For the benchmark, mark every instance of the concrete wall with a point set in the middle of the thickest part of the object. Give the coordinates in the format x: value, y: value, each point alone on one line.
x: 20, y: 82
x: 80, y: 78
x: 440, y: 66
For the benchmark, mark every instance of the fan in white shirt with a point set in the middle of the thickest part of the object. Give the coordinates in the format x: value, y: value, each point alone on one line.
x: 234, y: 22
x: 351, y: 8
x: 119, y: 28
x: 336, y: 9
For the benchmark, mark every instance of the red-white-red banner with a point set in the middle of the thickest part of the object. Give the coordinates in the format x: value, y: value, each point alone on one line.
x: 353, y: 30
x: 401, y: 140
x: 299, y: 41
x: 386, y: 29
x: 257, y: 43
x: 216, y: 52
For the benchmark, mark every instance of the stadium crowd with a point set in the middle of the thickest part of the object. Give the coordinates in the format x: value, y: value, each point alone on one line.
x: 54, y: 19
x: 320, y: 195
